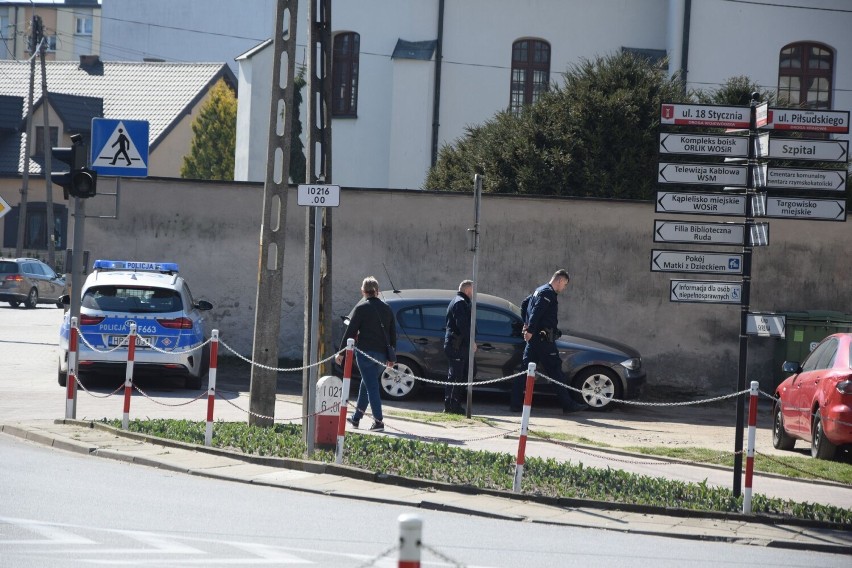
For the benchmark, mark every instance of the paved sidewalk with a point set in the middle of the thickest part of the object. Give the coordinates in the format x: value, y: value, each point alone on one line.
x: 343, y: 481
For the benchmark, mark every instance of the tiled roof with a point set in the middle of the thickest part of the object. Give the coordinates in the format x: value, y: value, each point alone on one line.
x: 161, y: 93
x: 76, y: 112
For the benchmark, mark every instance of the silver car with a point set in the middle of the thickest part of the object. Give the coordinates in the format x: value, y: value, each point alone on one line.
x: 30, y: 282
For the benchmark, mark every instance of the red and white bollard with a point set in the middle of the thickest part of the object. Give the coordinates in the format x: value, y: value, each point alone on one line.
x: 525, y: 420
x: 128, y: 376
x: 344, y: 399
x: 211, y: 385
x: 410, y: 540
x: 752, y: 431
x: 71, y: 379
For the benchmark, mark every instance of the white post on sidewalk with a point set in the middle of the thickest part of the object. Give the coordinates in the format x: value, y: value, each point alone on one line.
x: 410, y: 539
x: 752, y: 431
x: 525, y: 421
x: 211, y: 385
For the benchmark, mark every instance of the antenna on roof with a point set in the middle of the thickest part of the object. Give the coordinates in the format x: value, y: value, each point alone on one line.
x: 395, y: 291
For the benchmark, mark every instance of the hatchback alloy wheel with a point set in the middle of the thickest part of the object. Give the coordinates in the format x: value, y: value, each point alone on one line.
x: 399, y: 382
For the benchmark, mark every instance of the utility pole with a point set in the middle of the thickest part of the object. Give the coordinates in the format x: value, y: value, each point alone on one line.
x: 267, y: 321
x: 318, y: 171
x: 35, y: 39
x: 47, y: 143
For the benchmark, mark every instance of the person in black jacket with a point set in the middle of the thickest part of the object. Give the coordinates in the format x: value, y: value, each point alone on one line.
x: 371, y: 325
x: 456, y: 346
x: 541, y: 330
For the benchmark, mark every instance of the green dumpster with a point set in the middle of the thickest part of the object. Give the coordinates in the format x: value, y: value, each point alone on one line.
x: 803, y: 331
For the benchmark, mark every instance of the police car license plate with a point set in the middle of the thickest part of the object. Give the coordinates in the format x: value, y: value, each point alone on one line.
x: 115, y: 340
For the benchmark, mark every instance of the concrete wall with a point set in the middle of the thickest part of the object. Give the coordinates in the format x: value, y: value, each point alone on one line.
x: 212, y: 230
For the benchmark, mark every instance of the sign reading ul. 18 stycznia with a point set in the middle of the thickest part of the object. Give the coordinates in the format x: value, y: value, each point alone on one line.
x: 701, y: 203
x: 703, y: 174
x: 319, y: 195
x: 696, y: 262
x: 704, y: 115
x: 706, y: 292
x: 704, y: 145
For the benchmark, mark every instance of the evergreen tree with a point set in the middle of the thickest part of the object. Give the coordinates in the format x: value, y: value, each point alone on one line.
x: 214, y: 137
x: 596, y: 136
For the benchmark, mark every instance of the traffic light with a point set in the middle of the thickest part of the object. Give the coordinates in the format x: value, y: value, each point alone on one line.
x: 80, y: 181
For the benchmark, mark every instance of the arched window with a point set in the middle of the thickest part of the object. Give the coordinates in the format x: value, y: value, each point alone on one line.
x: 530, y: 72
x: 344, y: 69
x: 805, y: 73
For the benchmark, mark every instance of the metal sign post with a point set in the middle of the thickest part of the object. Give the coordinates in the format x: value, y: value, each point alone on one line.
x: 477, y: 200
x: 316, y: 197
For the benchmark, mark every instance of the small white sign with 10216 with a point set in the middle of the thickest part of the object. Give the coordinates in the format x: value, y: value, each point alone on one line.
x: 319, y: 195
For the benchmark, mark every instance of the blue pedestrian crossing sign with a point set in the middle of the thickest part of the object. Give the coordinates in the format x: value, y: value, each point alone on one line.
x: 120, y: 147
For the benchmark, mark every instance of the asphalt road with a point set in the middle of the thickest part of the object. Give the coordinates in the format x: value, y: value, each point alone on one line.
x: 69, y: 510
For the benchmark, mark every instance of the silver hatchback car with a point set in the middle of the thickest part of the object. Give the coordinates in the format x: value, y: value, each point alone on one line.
x: 30, y: 282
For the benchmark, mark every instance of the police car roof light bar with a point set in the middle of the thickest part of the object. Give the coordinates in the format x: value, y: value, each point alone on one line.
x: 165, y: 267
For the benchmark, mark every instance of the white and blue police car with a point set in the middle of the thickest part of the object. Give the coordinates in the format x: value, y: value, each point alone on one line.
x: 152, y: 295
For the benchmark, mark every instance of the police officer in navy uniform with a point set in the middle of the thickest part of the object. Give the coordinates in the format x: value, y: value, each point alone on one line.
x: 456, y: 346
x: 541, y: 330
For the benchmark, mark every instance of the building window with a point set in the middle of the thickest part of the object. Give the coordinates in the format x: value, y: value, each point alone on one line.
x: 84, y: 25
x: 39, y: 139
x: 530, y: 72
x: 344, y: 69
x: 51, y: 43
x: 36, y: 230
x: 804, y: 75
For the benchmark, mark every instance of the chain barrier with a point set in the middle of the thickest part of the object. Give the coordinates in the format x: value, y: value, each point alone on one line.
x: 501, y: 434
x: 436, y: 382
x: 372, y: 561
x: 441, y: 555
x: 794, y: 468
x: 263, y: 416
x: 278, y: 369
x: 155, y: 401
x: 90, y: 393
x: 144, y: 340
x: 639, y: 403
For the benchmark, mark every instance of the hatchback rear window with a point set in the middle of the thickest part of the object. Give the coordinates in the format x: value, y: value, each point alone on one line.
x: 7, y: 267
x: 132, y: 300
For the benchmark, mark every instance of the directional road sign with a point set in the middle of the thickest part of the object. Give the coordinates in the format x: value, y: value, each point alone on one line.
x: 319, y: 195
x: 696, y: 262
x: 805, y: 208
x: 699, y: 233
x: 704, y: 145
x: 704, y: 115
x: 706, y: 292
x: 701, y: 203
x: 791, y: 178
x: 703, y: 174
x: 120, y: 147
x: 4, y: 207
x: 836, y: 121
x: 803, y: 149
x: 766, y: 324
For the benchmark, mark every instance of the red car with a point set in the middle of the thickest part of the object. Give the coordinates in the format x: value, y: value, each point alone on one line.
x: 815, y: 403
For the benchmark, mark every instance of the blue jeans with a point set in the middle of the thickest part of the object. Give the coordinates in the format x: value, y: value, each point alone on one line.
x: 369, y: 391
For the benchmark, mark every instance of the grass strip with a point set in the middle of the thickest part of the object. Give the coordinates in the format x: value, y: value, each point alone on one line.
x: 483, y: 469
